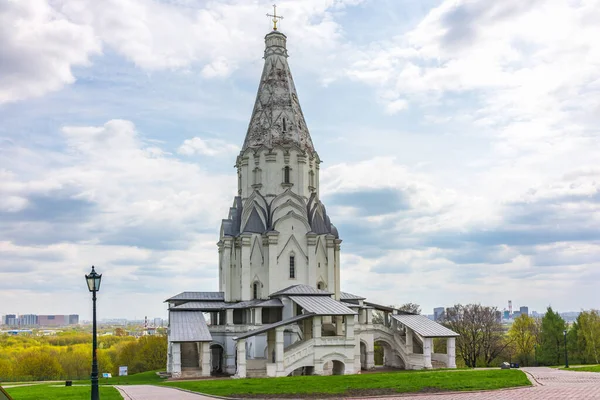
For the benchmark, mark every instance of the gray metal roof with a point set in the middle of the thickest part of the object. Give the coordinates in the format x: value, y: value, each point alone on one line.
x: 424, y: 326
x: 387, y: 308
x: 301, y: 290
x: 188, y: 326
x: 270, y: 303
x: 322, y: 305
x: 266, y: 328
x: 350, y: 296
x: 201, y: 305
x: 198, y: 296
x: 256, y: 303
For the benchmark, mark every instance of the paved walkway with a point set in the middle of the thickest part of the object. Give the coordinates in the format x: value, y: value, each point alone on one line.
x: 149, y: 392
x: 549, y: 383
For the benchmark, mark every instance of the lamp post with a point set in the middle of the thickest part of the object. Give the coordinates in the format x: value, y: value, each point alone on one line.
x: 566, y: 355
x: 93, y: 282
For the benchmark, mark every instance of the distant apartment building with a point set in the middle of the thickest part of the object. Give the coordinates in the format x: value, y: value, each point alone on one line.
x: 506, y: 314
x: 516, y: 314
x: 28, y: 320
x: 524, y: 310
x: 53, y: 320
x: 158, y: 322
x: 438, y: 312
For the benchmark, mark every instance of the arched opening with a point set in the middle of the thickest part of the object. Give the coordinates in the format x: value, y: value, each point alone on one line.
x: 310, y: 370
x: 320, y: 286
x: 334, y: 367
x: 286, y: 174
x: 255, y: 292
x: 363, y: 355
x: 216, y: 359
x: 386, y: 357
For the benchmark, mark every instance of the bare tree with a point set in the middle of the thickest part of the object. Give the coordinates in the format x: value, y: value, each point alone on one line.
x: 412, y: 308
x: 481, y: 335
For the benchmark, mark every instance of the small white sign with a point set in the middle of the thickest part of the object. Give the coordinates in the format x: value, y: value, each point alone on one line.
x: 123, y: 370
x: 106, y: 375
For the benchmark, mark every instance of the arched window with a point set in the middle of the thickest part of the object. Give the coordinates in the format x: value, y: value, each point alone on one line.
x: 320, y: 285
x: 257, y: 176
x: 292, y: 267
x: 311, y: 178
x: 286, y: 175
x: 284, y: 124
x: 255, y: 290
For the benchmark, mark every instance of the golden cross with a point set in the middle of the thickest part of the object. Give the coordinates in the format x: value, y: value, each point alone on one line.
x: 275, y: 17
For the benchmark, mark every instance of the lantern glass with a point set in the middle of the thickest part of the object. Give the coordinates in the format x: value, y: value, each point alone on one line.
x: 93, y: 280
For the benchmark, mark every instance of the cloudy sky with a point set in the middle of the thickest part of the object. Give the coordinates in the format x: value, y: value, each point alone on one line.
x: 460, y: 141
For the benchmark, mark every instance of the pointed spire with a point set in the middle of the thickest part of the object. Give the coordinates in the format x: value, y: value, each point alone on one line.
x: 277, y: 118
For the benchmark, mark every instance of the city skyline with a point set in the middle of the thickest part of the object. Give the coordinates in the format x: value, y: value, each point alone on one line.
x: 457, y: 164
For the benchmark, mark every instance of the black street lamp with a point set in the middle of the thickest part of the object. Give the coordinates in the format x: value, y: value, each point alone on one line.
x: 566, y: 355
x: 93, y: 282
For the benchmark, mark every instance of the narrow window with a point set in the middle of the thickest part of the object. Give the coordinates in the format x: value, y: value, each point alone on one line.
x: 286, y: 175
x: 284, y: 125
x: 292, y: 267
x: 255, y: 290
x: 319, y: 286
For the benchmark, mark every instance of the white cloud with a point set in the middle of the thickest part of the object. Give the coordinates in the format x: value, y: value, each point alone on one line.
x: 39, y: 48
x: 206, y: 147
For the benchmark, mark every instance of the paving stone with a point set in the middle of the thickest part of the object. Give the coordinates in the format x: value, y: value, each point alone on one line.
x: 551, y: 384
x: 150, y: 392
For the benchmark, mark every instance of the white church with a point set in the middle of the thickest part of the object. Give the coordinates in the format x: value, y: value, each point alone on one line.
x: 280, y: 309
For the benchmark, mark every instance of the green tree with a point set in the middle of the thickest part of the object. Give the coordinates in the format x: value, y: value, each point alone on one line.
x: 524, y: 335
x: 152, y: 351
x: 588, y: 324
x: 551, y: 350
x: 39, y: 364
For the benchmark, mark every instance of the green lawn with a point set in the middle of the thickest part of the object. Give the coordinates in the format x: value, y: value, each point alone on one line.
x: 396, y: 382
x: 54, y: 392
x: 588, y: 368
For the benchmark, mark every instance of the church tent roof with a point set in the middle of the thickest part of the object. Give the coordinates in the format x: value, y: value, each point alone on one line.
x: 266, y: 328
x: 424, y: 326
x: 188, y: 326
x: 301, y: 290
x: 322, y: 305
x: 198, y: 296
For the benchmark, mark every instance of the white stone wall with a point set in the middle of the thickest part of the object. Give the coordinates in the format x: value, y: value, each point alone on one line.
x: 265, y: 258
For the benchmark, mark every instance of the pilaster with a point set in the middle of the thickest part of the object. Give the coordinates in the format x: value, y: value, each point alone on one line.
x: 205, y: 358
x: 176, y: 349
x: 317, y: 327
x: 273, y: 282
x: 427, y: 353
x: 451, y: 352
x: 241, y: 359
x: 245, y: 267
